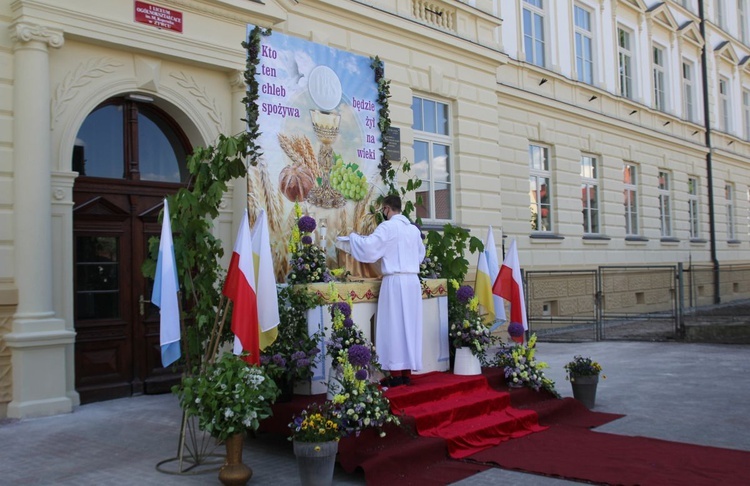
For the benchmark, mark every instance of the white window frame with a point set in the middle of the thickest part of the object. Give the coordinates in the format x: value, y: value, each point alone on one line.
x: 724, y: 96
x: 625, y: 62
x: 590, y: 185
x: 665, y: 203
x: 729, y: 204
x: 540, y: 176
x: 660, y: 77
x: 536, y: 54
x: 746, y: 112
x: 584, y: 46
x: 721, y: 18
x: 694, y: 215
x: 742, y: 20
x: 630, y: 193
x: 688, y: 90
x: 428, y: 174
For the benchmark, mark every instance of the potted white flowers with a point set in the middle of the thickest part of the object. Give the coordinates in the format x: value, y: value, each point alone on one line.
x: 228, y: 397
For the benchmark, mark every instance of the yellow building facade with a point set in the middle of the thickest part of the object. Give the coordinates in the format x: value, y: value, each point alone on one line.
x: 523, y: 125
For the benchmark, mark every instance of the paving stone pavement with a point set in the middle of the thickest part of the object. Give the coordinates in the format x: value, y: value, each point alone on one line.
x: 666, y: 390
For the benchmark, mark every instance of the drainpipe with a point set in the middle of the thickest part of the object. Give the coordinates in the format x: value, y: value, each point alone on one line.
x: 709, y: 163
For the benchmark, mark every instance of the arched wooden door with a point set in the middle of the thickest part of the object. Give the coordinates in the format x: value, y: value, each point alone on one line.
x: 129, y: 156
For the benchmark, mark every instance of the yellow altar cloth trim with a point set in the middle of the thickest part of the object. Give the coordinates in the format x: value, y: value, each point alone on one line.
x: 368, y: 290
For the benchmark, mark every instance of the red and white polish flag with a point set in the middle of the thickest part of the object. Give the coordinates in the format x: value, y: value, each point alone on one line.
x: 509, y: 286
x: 240, y: 288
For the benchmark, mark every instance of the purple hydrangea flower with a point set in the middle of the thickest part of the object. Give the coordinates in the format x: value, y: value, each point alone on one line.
x: 359, y: 355
x: 279, y: 360
x: 515, y: 329
x: 361, y: 374
x: 464, y: 294
x: 348, y: 322
x: 306, y: 240
x: 343, y: 307
x: 306, y: 224
x: 298, y: 355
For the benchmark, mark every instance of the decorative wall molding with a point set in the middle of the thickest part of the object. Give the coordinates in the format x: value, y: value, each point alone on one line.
x: 201, y: 96
x: 27, y: 32
x: 83, y: 74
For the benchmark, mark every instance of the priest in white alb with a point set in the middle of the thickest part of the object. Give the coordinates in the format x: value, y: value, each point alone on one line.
x: 397, y: 243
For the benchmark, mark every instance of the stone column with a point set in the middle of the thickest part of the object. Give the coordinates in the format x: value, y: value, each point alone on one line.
x: 38, y: 338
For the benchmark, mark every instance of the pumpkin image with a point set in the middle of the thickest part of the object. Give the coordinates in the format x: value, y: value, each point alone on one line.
x: 295, y: 182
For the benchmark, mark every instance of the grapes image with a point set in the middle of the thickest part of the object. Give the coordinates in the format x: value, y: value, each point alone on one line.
x: 348, y: 179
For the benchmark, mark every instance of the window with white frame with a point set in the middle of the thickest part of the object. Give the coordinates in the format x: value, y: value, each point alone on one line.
x: 724, y: 104
x: 432, y: 159
x: 630, y: 198
x: 688, y: 90
x: 729, y: 196
x: 533, y: 31
x: 584, y: 39
x: 540, y: 189
x: 625, y: 60
x: 746, y: 112
x: 721, y: 20
x: 660, y: 98
x: 694, y: 208
x: 665, y: 204
x: 590, y: 194
x: 741, y: 20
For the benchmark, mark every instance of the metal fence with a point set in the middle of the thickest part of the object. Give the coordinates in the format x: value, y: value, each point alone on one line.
x: 646, y: 302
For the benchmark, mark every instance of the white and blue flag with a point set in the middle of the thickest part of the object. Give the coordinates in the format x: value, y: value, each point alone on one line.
x: 164, y: 295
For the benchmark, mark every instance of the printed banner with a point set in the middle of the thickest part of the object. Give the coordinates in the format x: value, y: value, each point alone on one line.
x: 318, y: 115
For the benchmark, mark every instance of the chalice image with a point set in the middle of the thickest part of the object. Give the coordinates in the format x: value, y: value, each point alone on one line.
x: 325, y: 90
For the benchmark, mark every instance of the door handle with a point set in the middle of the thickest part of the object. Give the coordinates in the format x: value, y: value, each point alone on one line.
x: 141, y: 304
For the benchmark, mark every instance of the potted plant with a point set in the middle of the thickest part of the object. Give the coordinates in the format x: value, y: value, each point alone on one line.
x: 315, y: 434
x: 516, y: 330
x: 228, y: 397
x: 583, y: 374
x: 468, y: 333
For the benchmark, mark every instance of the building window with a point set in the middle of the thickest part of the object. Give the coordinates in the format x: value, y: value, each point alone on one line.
x: 729, y: 195
x: 660, y: 99
x: 693, y: 208
x: 625, y: 58
x: 630, y: 198
x: 584, y: 45
x: 665, y: 204
x: 724, y: 104
x: 432, y: 159
x: 741, y: 7
x: 746, y: 112
x: 721, y: 20
x: 533, y: 31
x: 590, y: 194
x: 688, y: 96
x: 540, y: 190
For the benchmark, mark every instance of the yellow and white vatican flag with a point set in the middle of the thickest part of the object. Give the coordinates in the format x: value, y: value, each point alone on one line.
x: 493, y: 267
x: 268, y: 298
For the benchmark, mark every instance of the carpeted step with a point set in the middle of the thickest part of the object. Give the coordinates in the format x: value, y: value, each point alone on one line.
x: 463, y: 410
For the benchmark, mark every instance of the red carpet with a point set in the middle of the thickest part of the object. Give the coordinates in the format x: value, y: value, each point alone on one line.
x: 463, y: 410
x: 567, y: 449
x: 577, y: 453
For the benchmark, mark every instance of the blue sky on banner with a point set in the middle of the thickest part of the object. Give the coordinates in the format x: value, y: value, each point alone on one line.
x: 285, y: 101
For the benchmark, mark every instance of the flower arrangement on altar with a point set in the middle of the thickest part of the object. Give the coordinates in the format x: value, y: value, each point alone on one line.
x: 319, y: 422
x: 352, y: 384
x: 228, y: 396
x: 522, y: 368
x: 467, y: 328
x: 581, y: 366
x: 292, y: 356
x: 430, y: 266
x: 308, y: 261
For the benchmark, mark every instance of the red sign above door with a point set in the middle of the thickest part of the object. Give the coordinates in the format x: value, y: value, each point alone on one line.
x: 163, y: 18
